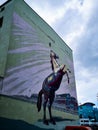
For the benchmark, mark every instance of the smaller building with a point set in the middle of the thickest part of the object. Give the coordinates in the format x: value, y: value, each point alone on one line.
x: 86, y: 110
x: 96, y: 113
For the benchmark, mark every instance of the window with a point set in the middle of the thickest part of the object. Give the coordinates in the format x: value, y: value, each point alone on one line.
x: 1, y: 21
x: 2, y: 9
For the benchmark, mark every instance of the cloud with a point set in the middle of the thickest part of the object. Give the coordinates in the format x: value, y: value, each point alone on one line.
x: 87, y: 48
x: 49, y: 10
x: 87, y: 87
x: 2, y: 1
x: 73, y: 22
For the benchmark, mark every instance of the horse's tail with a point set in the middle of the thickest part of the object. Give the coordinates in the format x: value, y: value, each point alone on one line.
x: 39, y: 100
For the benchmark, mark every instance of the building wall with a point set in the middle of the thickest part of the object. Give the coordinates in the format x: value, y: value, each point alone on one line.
x: 29, y: 39
x: 4, y: 35
x: 27, y: 53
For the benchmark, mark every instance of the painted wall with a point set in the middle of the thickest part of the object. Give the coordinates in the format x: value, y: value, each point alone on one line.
x: 28, y: 58
x: 28, y: 61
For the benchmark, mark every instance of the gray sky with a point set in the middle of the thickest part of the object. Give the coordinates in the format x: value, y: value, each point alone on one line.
x: 76, y: 22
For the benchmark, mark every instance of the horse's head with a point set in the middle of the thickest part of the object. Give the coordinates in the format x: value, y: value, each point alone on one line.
x: 53, y: 55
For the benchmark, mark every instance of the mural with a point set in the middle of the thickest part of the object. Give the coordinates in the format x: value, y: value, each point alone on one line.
x: 50, y: 85
x: 32, y: 57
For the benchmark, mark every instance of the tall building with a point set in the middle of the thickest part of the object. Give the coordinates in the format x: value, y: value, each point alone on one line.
x: 25, y: 60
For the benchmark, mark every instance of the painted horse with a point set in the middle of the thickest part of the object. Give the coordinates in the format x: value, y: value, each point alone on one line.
x: 50, y: 85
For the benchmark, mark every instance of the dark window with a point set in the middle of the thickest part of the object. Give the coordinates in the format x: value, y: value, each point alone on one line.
x: 2, y: 9
x: 1, y: 21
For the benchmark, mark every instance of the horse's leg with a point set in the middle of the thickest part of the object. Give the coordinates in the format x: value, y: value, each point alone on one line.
x: 45, y: 121
x: 51, y: 99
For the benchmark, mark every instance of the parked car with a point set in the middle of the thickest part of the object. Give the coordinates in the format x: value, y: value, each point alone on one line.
x: 84, y: 121
x: 88, y: 122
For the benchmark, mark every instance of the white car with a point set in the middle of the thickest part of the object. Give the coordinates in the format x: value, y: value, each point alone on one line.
x: 88, y: 122
x: 84, y: 121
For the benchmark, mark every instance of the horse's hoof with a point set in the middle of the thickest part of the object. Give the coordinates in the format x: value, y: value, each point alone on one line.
x: 52, y: 121
x: 45, y: 122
